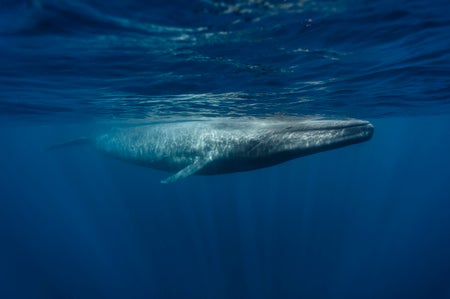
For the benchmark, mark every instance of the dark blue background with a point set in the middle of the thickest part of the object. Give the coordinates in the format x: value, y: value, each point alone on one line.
x: 366, y: 221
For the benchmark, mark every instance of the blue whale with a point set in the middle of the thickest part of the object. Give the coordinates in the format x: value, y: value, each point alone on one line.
x: 219, y: 145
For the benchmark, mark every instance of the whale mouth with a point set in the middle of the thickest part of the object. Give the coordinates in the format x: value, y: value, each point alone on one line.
x: 360, y: 132
x: 340, y: 124
x: 347, y: 130
x: 362, y: 125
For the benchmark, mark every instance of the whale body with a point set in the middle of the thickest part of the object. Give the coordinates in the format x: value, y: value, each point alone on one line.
x: 218, y: 146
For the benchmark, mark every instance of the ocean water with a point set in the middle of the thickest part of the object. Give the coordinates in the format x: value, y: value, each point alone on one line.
x: 366, y: 221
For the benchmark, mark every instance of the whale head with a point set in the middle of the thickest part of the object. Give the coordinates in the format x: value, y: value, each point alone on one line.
x: 266, y: 142
x: 316, y: 135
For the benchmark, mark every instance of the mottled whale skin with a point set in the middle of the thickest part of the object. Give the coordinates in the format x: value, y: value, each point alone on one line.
x: 218, y: 146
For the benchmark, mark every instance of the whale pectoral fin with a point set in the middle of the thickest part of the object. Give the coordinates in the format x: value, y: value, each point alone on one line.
x: 187, y: 171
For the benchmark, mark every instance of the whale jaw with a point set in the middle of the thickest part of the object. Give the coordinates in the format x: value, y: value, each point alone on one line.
x: 287, y: 141
x: 326, y: 135
x: 321, y: 135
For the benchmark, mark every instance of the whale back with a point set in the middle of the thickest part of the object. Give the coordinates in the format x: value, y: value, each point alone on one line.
x: 174, y: 146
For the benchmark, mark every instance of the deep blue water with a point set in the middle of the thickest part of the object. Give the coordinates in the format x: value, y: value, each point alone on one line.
x: 366, y: 221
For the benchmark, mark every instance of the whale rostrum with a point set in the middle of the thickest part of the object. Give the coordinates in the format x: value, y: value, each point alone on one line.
x: 217, y: 145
